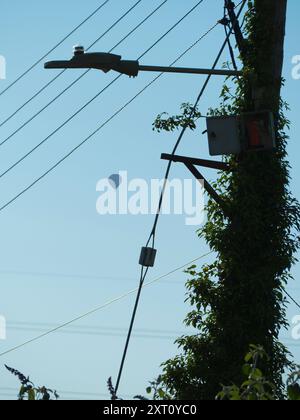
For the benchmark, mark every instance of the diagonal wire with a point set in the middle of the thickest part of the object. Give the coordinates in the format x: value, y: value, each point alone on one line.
x: 192, y: 113
x: 292, y: 299
x: 96, y: 96
x: 91, y: 328
x: 79, y: 78
x: 99, y: 308
x: 57, y: 164
x: 98, y: 333
x: 63, y: 71
x: 54, y: 48
x: 153, y: 232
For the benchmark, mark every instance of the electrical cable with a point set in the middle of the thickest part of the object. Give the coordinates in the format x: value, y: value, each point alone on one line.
x: 231, y: 51
x: 13, y: 392
x: 87, y: 277
x: 63, y: 71
x: 61, y: 275
x: 54, y: 48
x: 98, y: 333
x: 153, y: 232
x: 143, y: 277
x: 79, y: 78
x: 90, y: 328
x: 129, y: 335
x: 192, y: 113
x: 94, y: 97
x: 226, y: 24
x: 103, y: 306
x: 292, y: 299
x: 58, y: 163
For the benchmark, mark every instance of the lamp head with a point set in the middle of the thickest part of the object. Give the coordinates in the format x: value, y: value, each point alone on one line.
x: 96, y: 60
x: 78, y: 50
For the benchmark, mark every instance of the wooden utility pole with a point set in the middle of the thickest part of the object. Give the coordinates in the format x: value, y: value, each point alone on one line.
x: 239, y: 299
x: 269, y: 51
x: 258, y: 254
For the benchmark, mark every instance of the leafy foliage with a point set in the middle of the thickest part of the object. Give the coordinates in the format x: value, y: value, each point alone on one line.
x: 112, y: 390
x: 293, y: 389
x: 239, y: 299
x: 29, y: 391
x: 255, y: 387
x: 170, y: 123
x: 156, y: 390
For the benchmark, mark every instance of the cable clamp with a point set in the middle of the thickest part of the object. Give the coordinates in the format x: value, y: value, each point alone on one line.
x: 224, y: 21
x: 147, y: 257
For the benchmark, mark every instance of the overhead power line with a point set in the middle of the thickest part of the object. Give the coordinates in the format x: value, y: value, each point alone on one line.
x: 98, y: 94
x: 91, y: 328
x: 292, y: 299
x: 79, y: 78
x: 62, y: 275
x: 101, y: 307
x: 63, y: 71
x: 102, y: 125
x: 185, y: 127
x: 12, y: 392
x: 98, y: 333
x: 95, y: 97
x: 70, y: 276
x: 153, y: 231
x: 54, y: 48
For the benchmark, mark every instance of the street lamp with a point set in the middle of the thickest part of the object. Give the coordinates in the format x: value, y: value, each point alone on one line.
x: 107, y: 62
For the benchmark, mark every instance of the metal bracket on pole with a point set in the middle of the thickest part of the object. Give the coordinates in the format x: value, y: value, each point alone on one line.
x: 107, y: 62
x: 198, y: 162
x: 187, y: 70
x: 190, y: 163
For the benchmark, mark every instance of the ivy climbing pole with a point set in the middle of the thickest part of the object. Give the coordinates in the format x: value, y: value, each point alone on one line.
x: 238, y: 301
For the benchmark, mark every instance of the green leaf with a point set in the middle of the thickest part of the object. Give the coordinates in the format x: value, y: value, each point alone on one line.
x: 257, y: 374
x: 294, y: 392
x: 161, y: 393
x: 246, y: 370
x: 31, y: 395
x: 248, y: 357
x: 235, y: 396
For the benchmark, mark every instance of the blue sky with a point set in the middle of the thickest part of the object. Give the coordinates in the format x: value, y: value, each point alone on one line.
x: 59, y: 258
